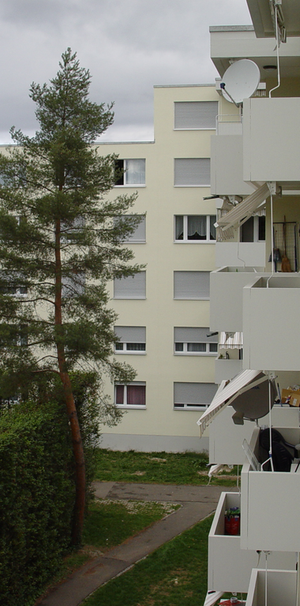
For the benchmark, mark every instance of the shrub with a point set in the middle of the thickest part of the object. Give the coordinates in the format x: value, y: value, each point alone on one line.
x: 37, y: 495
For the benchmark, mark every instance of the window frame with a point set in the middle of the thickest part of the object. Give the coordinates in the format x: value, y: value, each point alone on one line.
x: 124, y: 405
x: 185, y: 297
x: 186, y: 406
x: 177, y: 118
x: 124, y: 168
x: 128, y: 297
x: 194, y: 335
x: 141, y: 226
x: 255, y: 220
x: 185, y: 239
x: 124, y: 343
x: 181, y: 169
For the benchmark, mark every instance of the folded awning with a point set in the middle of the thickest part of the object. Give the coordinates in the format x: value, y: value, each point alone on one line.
x: 245, y: 209
x: 231, y: 340
x: 228, y: 392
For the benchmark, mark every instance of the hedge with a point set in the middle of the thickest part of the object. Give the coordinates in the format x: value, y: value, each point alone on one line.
x: 37, y: 494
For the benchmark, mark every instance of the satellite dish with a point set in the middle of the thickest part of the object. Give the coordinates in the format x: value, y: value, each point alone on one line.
x: 254, y: 403
x: 240, y: 81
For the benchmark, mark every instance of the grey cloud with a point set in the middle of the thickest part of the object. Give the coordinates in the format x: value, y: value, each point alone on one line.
x: 128, y: 47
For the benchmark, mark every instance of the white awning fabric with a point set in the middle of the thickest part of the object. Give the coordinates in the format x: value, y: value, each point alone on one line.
x: 231, y: 340
x: 228, y: 392
x: 212, y: 597
x: 242, y: 211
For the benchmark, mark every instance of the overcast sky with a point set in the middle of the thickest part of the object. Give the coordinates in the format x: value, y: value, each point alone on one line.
x: 128, y: 46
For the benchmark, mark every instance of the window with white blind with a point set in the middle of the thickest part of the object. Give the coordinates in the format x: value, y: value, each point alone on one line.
x: 131, y: 395
x: 130, y: 172
x: 192, y: 172
x: 194, y: 341
x: 131, y: 287
x: 139, y: 234
x: 192, y: 396
x: 191, y: 285
x: 195, y: 115
x: 195, y: 228
x: 132, y: 339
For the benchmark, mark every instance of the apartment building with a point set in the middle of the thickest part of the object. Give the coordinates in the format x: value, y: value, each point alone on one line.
x: 255, y: 301
x: 163, y: 312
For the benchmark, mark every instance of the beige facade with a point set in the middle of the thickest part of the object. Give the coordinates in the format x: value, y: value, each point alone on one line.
x: 173, y: 292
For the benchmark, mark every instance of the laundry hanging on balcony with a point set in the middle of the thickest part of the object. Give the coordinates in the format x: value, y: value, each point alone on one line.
x: 244, y: 210
x: 248, y: 393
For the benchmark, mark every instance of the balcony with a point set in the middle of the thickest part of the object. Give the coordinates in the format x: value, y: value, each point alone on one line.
x: 271, y: 143
x: 281, y: 588
x: 270, y: 503
x: 229, y: 567
x: 226, y: 297
x: 270, y: 318
x: 226, y: 438
x: 238, y: 254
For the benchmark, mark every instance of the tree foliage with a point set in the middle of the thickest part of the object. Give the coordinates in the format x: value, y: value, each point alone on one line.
x: 61, y: 242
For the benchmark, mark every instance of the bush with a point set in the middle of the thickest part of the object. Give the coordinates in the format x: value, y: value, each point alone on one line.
x: 37, y: 495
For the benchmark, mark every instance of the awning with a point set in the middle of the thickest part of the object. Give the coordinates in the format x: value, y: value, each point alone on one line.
x: 242, y: 211
x: 231, y: 340
x: 228, y: 392
x: 212, y: 597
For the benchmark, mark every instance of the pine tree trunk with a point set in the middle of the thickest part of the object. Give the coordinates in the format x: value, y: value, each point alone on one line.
x: 69, y: 399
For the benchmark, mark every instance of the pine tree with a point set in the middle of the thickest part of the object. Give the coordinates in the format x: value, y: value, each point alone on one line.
x: 61, y: 242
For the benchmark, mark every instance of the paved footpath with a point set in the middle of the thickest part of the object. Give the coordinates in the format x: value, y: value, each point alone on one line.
x: 197, y: 502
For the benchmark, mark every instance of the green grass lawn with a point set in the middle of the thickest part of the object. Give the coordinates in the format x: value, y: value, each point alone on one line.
x: 109, y: 523
x: 175, y: 574
x: 157, y: 467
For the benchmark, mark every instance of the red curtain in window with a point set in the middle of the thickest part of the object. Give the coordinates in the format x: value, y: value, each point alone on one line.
x: 136, y: 395
x: 119, y: 394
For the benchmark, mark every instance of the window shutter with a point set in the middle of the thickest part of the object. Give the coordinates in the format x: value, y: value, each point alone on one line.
x: 196, y: 114
x: 131, y: 334
x: 131, y: 287
x: 192, y: 172
x: 197, y: 394
x: 139, y: 235
x: 183, y: 334
x: 191, y: 284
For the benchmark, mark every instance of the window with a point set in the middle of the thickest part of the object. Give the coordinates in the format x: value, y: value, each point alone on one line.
x: 195, y: 114
x: 194, y: 341
x: 190, y: 172
x: 131, y: 287
x: 192, y: 396
x: 131, y: 395
x: 73, y: 285
x: 254, y: 229
x: 132, y: 339
x: 139, y: 234
x: 130, y: 172
x: 13, y: 336
x: 13, y: 284
x: 195, y: 228
x: 191, y: 284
